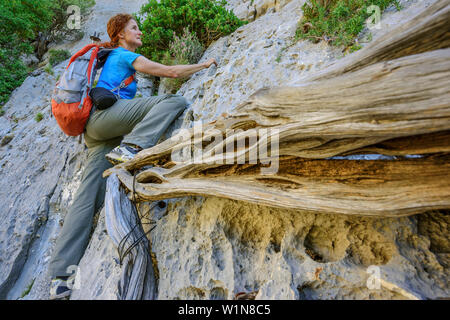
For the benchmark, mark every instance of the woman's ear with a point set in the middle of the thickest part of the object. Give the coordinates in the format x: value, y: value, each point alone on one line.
x: 121, y: 34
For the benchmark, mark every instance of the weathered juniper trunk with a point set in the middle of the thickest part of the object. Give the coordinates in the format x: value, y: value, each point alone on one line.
x: 391, y: 98
x: 382, y: 188
x: 138, y: 281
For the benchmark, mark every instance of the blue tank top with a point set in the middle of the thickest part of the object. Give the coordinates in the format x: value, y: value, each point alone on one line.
x: 118, y: 67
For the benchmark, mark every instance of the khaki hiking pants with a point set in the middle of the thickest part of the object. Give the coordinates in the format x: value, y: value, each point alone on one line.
x: 140, y: 121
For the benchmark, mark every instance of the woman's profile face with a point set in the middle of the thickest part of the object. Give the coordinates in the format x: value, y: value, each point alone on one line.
x: 132, y: 34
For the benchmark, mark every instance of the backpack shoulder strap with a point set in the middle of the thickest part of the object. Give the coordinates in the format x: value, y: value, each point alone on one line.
x: 125, y: 83
x: 102, y: 55
x: 129, y: 80
x: 81, y: 52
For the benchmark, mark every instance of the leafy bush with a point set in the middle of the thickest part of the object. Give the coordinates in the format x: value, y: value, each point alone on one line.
x: 20, y: 23
x: 186, y: 49
x: 38, y: 117
x: 336, y: 21
x: 12, y: 73
x: 355, y: 47
x: 56, y: 56
x: 48, y: 69
x: 22, y: 19
x: 208, y: 19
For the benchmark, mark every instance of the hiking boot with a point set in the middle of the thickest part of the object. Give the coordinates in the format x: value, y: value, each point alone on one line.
x: 59, y: 290
x: 122, y: 153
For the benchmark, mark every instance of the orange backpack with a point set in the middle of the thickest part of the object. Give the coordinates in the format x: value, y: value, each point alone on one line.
x: 71, y: 103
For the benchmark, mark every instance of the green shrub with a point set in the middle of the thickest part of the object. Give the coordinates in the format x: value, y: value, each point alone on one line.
x: 57, y: 56
x: 186, y: 49
x: 355, y: 47
x: 12, y: 73
x: 20, y: 20
x: 208, y: 19
x: 38, y: 117
x: 336, y: 21
x: 20, y: 23
x: 48, y: 69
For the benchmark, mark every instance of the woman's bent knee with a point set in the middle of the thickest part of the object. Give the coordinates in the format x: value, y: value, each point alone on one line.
x: 181, y: 101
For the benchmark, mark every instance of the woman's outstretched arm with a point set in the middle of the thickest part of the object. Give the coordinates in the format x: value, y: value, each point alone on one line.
x: 142, y: 64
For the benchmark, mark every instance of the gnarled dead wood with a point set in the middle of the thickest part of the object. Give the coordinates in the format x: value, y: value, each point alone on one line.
x: 412, y: 145
x: 408, y: 96
x: 378, y: 188
x: 394, y: 99
x: 138, y: 281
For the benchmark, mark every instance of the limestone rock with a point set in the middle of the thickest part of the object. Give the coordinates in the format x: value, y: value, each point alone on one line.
x: 39, y: 174
x: 146, y: 85
x: 96, y: 20
x: 40, y: 171
x: 253, y: 9
x: 210, y: 248
x: 242, y: 68
x: 99, y: 269
x: 29, y: 59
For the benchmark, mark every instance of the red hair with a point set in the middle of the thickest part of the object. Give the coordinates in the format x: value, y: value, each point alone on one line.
x: 115, y: 25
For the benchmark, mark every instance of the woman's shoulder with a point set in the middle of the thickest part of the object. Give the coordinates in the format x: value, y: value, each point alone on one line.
x: 128, y: 57
x: 117, y: 50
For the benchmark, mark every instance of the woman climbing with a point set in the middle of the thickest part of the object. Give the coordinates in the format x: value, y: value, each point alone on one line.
x: 115, y: 134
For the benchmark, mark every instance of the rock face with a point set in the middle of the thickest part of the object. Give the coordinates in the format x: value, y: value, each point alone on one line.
x: 40, y: 171
x: 101, y: 259
x: 256, y: 55
x: 252, y: 9
x: 211, y: 248
x: 214, y: 248
x: 97, y: 19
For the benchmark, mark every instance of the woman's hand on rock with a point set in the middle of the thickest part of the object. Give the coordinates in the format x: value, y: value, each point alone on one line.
x: 210, y: 62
